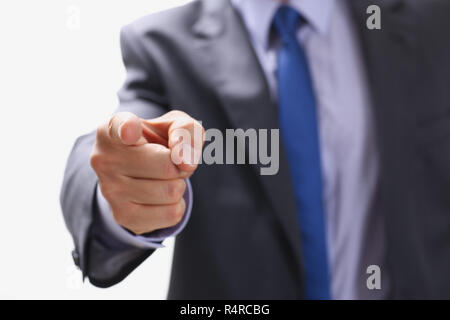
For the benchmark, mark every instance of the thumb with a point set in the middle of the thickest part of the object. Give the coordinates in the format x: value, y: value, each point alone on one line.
x: 126, y: 128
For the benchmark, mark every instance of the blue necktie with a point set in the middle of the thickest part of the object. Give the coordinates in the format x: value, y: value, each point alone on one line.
x: 299, y: 131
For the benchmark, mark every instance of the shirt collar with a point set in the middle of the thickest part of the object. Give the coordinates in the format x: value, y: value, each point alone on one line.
x: 258, y: 15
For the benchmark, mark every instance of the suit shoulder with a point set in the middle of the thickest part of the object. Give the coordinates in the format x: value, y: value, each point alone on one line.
x: 178, y: 20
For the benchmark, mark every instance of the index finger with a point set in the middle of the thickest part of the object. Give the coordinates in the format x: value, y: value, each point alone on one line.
x: 185, y: 137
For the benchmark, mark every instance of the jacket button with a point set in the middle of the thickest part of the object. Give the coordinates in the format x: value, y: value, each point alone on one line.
x: 76, y: 257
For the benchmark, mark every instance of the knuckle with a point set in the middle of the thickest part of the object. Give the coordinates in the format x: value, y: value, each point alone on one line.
x: 175, y: 189
x: 125, y: 214
x: 176, y: 212
x: 168, y: 169
x: 98, y: 161
x: 108, y: 190
x: 121, y: 218
x: 113, y: 189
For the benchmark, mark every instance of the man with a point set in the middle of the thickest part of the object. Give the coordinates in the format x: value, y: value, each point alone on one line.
x: 364, y: 117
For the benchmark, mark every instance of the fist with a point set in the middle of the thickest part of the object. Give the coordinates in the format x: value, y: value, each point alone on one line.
x: 142, y: 166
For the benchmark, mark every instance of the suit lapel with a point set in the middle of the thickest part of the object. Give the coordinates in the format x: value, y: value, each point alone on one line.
x: 392, y: 68
x: 392, y: 65
x: 240, y: 83
x: 390, y: 56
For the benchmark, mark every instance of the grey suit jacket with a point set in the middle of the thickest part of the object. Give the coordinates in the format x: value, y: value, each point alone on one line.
x: 242, y: 240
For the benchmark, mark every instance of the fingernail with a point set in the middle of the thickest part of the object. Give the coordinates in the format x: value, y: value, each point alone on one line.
x: 119, y: 133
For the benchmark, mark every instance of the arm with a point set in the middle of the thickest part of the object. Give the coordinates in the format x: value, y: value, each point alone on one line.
x: 102, y: 256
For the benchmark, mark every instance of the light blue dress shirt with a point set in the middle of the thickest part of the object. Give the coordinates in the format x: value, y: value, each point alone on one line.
x: 347, y: 140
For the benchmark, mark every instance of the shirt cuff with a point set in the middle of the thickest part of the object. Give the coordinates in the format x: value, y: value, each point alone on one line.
x: 151, y: 240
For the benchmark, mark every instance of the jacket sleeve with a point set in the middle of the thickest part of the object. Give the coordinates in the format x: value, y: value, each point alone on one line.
x: 104, y: 260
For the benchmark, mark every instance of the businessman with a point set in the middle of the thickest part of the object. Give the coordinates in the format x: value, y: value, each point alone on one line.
x: 360, y: 206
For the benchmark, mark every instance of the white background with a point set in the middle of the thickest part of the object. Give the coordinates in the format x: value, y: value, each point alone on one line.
x: 58, y: 81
